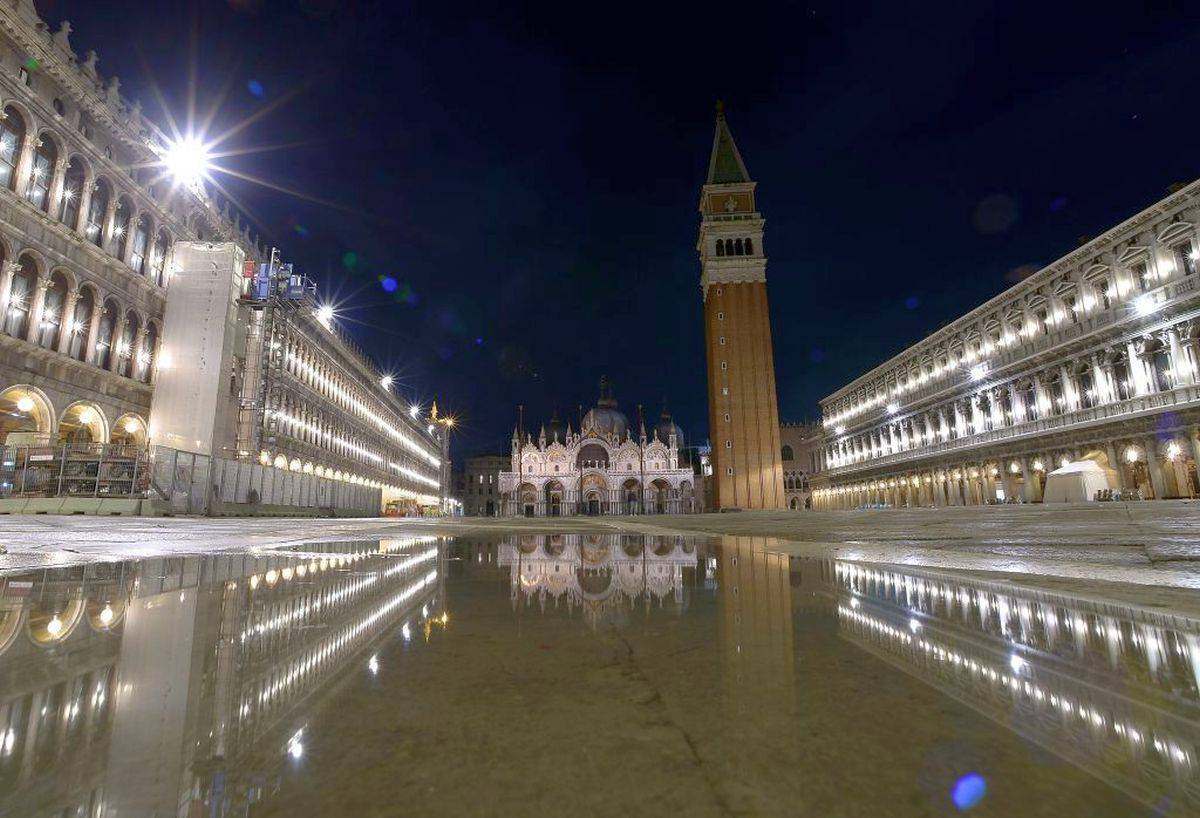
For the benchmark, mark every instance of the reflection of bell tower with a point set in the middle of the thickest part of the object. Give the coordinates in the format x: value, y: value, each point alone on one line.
x: 743, y: 413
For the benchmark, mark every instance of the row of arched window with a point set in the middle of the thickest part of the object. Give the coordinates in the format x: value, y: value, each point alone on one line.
x: 94, y: 209
x: 735, y: 247
x: 77, y: 323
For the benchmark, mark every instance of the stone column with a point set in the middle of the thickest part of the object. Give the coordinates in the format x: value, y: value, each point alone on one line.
x: 1101, y: 382
x: 37, y: 308
x: 89, y: 352
x: 1137, y: 370
x: 106, y: 226
x: 1180, y: 366
x: 1040, y: 398
x: 114, y: 357
x: 68, y: 319
x: 1029, y: 489
x: 1156, y: 475
x: 1070, y: 393
x: 136, y: 367
x: 24, y: 162
x: 54, y: 205
x: 6, y: 278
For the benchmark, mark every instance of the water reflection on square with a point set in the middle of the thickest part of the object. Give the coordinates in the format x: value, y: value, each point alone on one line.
x: 586, y: 674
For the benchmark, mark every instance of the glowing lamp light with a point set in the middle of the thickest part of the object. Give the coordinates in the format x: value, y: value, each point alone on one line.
x: 1131, y: 455
x: 54, y: 626
x: 386, y: 381
x: 414, y: 410
x: 1173, y: 450
x: 106, y: 616
x: 1039, y: 465
x: 373, y: 664
x: 1016, y: 663
x: 187, y: 160
x: 978, y: 372
x: 839, y: 429
x: 893, y: 408
x: 86, y: 416
x: 131, y: 426
x: 914, y: 625
x: 1144, y: 305
x: 25, y: 404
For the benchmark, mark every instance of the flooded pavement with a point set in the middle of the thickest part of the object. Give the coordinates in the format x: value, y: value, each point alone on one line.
x: 584, y: 674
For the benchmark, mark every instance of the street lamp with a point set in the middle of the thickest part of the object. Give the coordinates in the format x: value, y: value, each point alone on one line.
x: 187, y: 160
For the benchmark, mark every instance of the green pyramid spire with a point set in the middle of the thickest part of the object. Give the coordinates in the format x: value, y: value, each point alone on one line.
x: 726, y: 165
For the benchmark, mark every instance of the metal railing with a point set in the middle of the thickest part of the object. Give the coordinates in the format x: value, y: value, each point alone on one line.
x: 99, y: 470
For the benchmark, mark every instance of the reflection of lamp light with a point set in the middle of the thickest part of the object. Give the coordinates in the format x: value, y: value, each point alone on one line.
x: 1173, y: 450
x: 25, y: 404
x: 54, y: 626
x: 86, y: 416
x: 106, y: 616
x: 1039, y: 465
x: 1131, y: 455
x: 131, y: 426
x: 272, y: 576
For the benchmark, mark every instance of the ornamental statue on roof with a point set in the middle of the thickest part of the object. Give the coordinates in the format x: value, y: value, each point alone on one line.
x: 604, y: 467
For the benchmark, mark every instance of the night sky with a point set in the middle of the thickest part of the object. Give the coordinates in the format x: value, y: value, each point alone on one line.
x: 503, y: 198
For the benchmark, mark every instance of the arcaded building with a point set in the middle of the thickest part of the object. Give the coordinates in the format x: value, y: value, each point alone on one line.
x: 1091, y: 360
x: 87, y: 222
x: 800, y: 454
x: 607, y: 467
x: 94, y: 237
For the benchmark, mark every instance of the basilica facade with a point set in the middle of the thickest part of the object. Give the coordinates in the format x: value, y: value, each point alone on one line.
x: 603, y: 468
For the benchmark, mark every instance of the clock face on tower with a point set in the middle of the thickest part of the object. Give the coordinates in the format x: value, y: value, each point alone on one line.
x: 730, y: 204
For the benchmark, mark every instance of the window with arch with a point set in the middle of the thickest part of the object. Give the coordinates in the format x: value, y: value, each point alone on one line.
x: 749, y: 247
x: 108, y: 152
x: 59, y: 108
x: 787, y: 453
x: 737, y: 247
x: 81, y: 324
x: 104, y: 334
x: 12, y: 135
x: 101, y: 194
x: 41, y: 173
x: 73, y: 181
x: 125, y: 349
x: 720, y: 247
x: 161, y: 248
x: 122, y: 218
x: 1186, y: 257
x: 52, y: 311
x: 141, y: 237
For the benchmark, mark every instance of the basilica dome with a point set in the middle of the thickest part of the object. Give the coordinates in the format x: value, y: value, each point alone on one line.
x: 665, y: 427
x: 604, y: 417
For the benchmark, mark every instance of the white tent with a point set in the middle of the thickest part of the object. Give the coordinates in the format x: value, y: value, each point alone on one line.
x: 1078, y: 482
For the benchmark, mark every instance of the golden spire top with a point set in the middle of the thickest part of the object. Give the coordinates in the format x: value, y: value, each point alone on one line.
x: 720, y: 109
x: 433, y: 411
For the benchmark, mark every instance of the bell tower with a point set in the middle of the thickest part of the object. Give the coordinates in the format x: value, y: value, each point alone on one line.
x: 743, y: 412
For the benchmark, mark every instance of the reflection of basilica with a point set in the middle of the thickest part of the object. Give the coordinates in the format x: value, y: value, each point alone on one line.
x: 1110, y: 688
x: 601, y: 574
x: 171, y: 686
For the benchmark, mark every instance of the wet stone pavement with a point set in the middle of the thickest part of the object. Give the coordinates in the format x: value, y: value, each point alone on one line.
x: 584, y: 674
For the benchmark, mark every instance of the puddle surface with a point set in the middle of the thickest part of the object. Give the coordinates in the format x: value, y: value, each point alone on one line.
x: 583, y: 675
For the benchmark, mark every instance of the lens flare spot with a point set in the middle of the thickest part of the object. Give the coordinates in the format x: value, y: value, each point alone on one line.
x: 968, y: 791
x: 389, y: 284
x: 350, y: 259
x: 255, y: 88
x: 912, y: 302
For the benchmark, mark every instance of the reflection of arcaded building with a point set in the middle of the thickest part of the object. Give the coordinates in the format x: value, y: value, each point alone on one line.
x: 1112, y: 689
x: 606, y: 467
x: 154, y: 687
x: 603, y: 575
x: 1095, y: 356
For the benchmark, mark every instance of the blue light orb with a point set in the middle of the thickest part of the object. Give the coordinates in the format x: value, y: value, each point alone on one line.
x: 255, y: 88
x: 968, y: 791
x: 912, y: 302
x: 389, y: 284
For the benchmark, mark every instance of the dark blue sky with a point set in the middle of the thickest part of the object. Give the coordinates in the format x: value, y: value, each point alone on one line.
x: 529, y: 174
